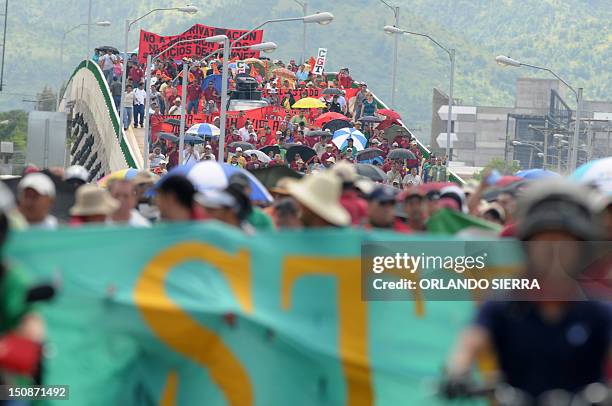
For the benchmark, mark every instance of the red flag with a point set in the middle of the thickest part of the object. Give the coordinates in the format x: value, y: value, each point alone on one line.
x: 253, y: 72
x: 312, y: 61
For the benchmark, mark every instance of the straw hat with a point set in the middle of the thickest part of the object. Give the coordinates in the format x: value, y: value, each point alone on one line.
x: 92, y: 200
x: 321, y: 194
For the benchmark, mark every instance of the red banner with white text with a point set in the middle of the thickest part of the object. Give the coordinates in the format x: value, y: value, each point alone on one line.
x: 151, y: 43
x: 271, y: 116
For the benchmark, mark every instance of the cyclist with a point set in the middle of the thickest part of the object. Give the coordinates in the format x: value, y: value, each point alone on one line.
x: 548, y: 342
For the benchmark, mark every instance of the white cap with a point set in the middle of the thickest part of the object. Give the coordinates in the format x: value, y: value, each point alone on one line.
x: 40, y: 182
x: 395, y: 144
x: 77, y: 172
x: 208, y: 146
x: 239, y: 149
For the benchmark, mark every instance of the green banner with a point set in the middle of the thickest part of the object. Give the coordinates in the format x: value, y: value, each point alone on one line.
x: 203, y: 314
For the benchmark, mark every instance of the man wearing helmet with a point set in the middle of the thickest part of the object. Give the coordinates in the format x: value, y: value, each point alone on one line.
x: 557, y: 338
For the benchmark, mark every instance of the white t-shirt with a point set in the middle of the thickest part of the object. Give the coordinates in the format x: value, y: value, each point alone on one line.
x: 137, y: 219
x: 108, y: 61
x: 139, y: 96
x: 175, y: 110
x: 192, y: 156
x: 49, y: 223
x: 244, y: 134
x: 410, y: 179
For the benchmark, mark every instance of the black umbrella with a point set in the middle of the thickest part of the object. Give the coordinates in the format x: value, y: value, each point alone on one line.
x: 270, y: 176
x: 335, y: 125
x: 288, y: 145
x: 371, y: 171
x: 370, y: 119
x: 168, y: 136
x: 332, y: 90
x: 401, y: 153
x: 318, y: 134
x: 266, y: 150
x: 241, y: 144
x: 305, y: 153
x: 108, y: 48
x: 369, y: 153
x: 393, y: 131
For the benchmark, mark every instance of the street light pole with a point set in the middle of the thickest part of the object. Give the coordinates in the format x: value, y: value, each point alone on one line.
x: 87, y: 56
x: 396, y: 14
x: 147, y: 106
x: 396, y: 11
x: 389, y: 29
x: 61, y: 56
x: 304, y: 6
x: 449, y: 120
x: 183, y: 109
x: 223, y: 112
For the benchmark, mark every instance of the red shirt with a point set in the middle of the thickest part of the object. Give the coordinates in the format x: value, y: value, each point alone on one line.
x: 193, y: 92
x: 157, y: 121
x: 210, y: 94
x: 326, y: 155
x: 355, y: 205
x: 136, y: 74
x: 345, y: 80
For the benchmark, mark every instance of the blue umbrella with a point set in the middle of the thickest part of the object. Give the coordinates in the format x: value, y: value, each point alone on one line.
x: 192, y: 139
x: 537, y: 173
x: 342, y: 135
x: 204, y: 130
x: 211, y: 175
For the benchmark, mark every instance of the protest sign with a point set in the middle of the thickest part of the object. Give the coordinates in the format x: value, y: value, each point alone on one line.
x: 151, y: 43
x: 297, y: 93
x: 319, y: 65
x: 180, y: 313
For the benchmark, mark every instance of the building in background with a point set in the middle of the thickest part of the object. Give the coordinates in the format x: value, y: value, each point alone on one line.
x: 536, y: 131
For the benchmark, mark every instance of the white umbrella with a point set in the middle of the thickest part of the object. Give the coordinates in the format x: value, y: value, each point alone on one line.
x: 342, y: 135
x: 260, y: 155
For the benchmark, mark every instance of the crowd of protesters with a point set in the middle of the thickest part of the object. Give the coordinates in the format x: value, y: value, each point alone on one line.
x: 541, y: 346
x: 297, y: 128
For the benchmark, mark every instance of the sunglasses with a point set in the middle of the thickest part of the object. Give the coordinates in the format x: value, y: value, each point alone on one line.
x: 387, y: 203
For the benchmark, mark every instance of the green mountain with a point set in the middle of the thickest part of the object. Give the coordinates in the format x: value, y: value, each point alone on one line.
x: 572, y: 37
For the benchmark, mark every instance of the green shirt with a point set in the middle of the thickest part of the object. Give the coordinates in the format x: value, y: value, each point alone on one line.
x: 13, y: 292
x: 260, y: 220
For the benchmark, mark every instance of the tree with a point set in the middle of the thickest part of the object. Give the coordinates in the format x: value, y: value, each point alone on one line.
x: 498, y: 163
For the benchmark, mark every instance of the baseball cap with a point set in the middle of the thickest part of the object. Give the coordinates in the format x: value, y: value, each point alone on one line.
x: 239, y: 149
x: 382, y: 194
x: 40, y: 182
x: 208, y: 147
x: 329, y: 146
x: 77, y: 172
